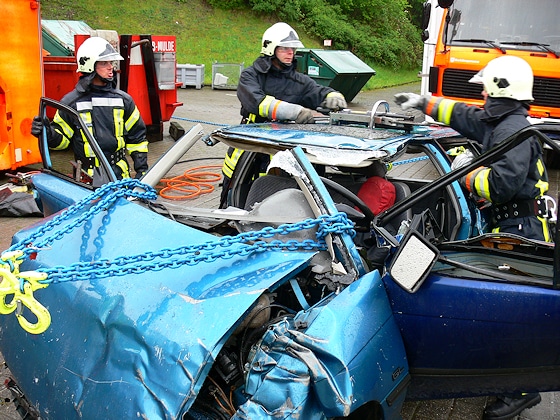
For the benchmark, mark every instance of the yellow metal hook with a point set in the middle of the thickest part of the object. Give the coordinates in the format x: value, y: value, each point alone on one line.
x: 22, y: 296
x: 13, y: 259
x: 41, y: 313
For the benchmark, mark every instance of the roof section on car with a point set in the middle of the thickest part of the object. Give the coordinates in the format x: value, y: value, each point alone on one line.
x: 323, y: 143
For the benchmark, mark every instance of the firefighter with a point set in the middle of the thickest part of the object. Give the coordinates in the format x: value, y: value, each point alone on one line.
x: 516, y: 182
x: 272, y: 90
x: 110, y: 114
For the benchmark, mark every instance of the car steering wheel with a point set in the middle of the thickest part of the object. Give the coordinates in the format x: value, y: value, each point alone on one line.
x: 353, y: 198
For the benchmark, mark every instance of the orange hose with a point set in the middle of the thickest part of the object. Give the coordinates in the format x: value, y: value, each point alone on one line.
x: 192, y: 183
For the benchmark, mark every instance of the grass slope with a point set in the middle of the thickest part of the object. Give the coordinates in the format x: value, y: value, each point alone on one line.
x: 204, y: 35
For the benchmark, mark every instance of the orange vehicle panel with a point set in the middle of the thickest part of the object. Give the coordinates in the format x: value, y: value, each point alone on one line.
x: 453, y: 65
x: 20, y: 81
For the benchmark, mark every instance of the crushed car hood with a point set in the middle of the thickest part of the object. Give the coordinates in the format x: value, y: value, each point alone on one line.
x: 150, y: 334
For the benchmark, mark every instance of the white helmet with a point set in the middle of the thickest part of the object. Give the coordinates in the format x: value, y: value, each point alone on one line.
x: 507, y: 77
x: 95, y: 49
x: 279, y: 35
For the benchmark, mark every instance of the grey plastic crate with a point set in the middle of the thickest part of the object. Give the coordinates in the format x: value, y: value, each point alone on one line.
x: 190, y: 75
x: 226, y: 75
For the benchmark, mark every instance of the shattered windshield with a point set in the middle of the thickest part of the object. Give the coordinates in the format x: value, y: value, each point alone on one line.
x: 518, y: 24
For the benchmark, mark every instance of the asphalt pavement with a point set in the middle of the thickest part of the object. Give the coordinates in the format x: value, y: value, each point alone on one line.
x: 213, y: 108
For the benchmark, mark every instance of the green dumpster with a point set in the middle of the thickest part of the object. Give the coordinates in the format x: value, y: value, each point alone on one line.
x: 338, y: 69
x: 58, y: 35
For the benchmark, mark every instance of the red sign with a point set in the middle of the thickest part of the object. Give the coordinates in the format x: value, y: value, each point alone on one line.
x: 163, y: 43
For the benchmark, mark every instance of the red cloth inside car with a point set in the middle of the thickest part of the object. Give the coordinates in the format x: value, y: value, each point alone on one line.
x: 378, y: 193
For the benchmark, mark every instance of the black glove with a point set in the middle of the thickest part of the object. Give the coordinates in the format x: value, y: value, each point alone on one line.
x: 140, y: 160
x: 37, y: 127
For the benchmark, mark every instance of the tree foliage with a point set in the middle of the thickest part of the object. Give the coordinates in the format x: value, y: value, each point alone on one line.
x: 379, y: 31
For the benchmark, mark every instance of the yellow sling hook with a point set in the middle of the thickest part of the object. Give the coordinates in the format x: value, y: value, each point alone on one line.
x: 20, y: 287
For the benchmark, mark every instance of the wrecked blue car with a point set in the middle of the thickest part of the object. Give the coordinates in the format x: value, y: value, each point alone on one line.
x: 288, y: 298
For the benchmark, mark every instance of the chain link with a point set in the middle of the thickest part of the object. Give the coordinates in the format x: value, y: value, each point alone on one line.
x: 227, y: 247
x: 103, y: 198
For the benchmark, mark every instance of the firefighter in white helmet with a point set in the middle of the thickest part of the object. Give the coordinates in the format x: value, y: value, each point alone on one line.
x: 515, y: 183
x: 115, y: 120
x: 271, y: 89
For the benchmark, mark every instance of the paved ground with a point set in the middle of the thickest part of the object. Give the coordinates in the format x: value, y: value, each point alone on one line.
x: 216, y: 107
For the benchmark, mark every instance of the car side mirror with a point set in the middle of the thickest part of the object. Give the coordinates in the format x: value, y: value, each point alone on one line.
x: 413, y: 261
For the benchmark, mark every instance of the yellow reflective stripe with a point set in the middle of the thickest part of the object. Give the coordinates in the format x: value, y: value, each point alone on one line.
x: 88, y: 121
x: 230, y: 162
x: 124, y: 168
x: 67, y: 129
x: 540, y: 167
x: 546, y: 232
x: 133, y: 119
x: 137, y: 147
x: 445, y: 109
x: 542, y: 186
x: 67, y: 132
x: 118, y: 118
x: 264, y: 106
x: 252, y: 118
x: 64, y: 143
x: 481, y: 185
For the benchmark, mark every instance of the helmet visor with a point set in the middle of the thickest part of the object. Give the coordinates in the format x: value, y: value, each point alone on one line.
x: 291, y: 43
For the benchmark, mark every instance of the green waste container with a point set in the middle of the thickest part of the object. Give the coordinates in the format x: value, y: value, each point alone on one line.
x: 338, y: 69
x: 58, y: 35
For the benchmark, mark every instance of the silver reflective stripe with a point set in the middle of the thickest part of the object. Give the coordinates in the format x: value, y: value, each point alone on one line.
x: 112, y: 102
x: 83, y: 106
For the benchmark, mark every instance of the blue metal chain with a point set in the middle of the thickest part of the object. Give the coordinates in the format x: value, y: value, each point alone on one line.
x: 103, y: 198
x: 411, y: 160
x: 190, y: 255
x: 452, y: 152
x: 206, y: 252
x: 201, y: 121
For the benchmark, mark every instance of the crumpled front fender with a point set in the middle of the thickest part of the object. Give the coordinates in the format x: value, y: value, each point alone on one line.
x: 329, y: 360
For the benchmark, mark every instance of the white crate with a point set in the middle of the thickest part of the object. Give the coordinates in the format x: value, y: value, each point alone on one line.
x: 190, y: 75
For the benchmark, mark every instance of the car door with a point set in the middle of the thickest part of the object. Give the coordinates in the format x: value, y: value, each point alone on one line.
x: 61, y: 172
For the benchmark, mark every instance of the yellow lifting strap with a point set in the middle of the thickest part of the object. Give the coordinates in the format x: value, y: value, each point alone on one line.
x: 20, y: 287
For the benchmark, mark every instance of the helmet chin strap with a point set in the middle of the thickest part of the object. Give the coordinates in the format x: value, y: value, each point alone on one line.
x: 279, y: 64
x: 105, y: 79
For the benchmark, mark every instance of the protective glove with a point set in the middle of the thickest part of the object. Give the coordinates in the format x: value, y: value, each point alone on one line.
x: 335, y: 100
x: 462, y: 159
x: 305, y: 116
x: 37, y: 127
x: 410, y: 100
x: 140, y: 160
